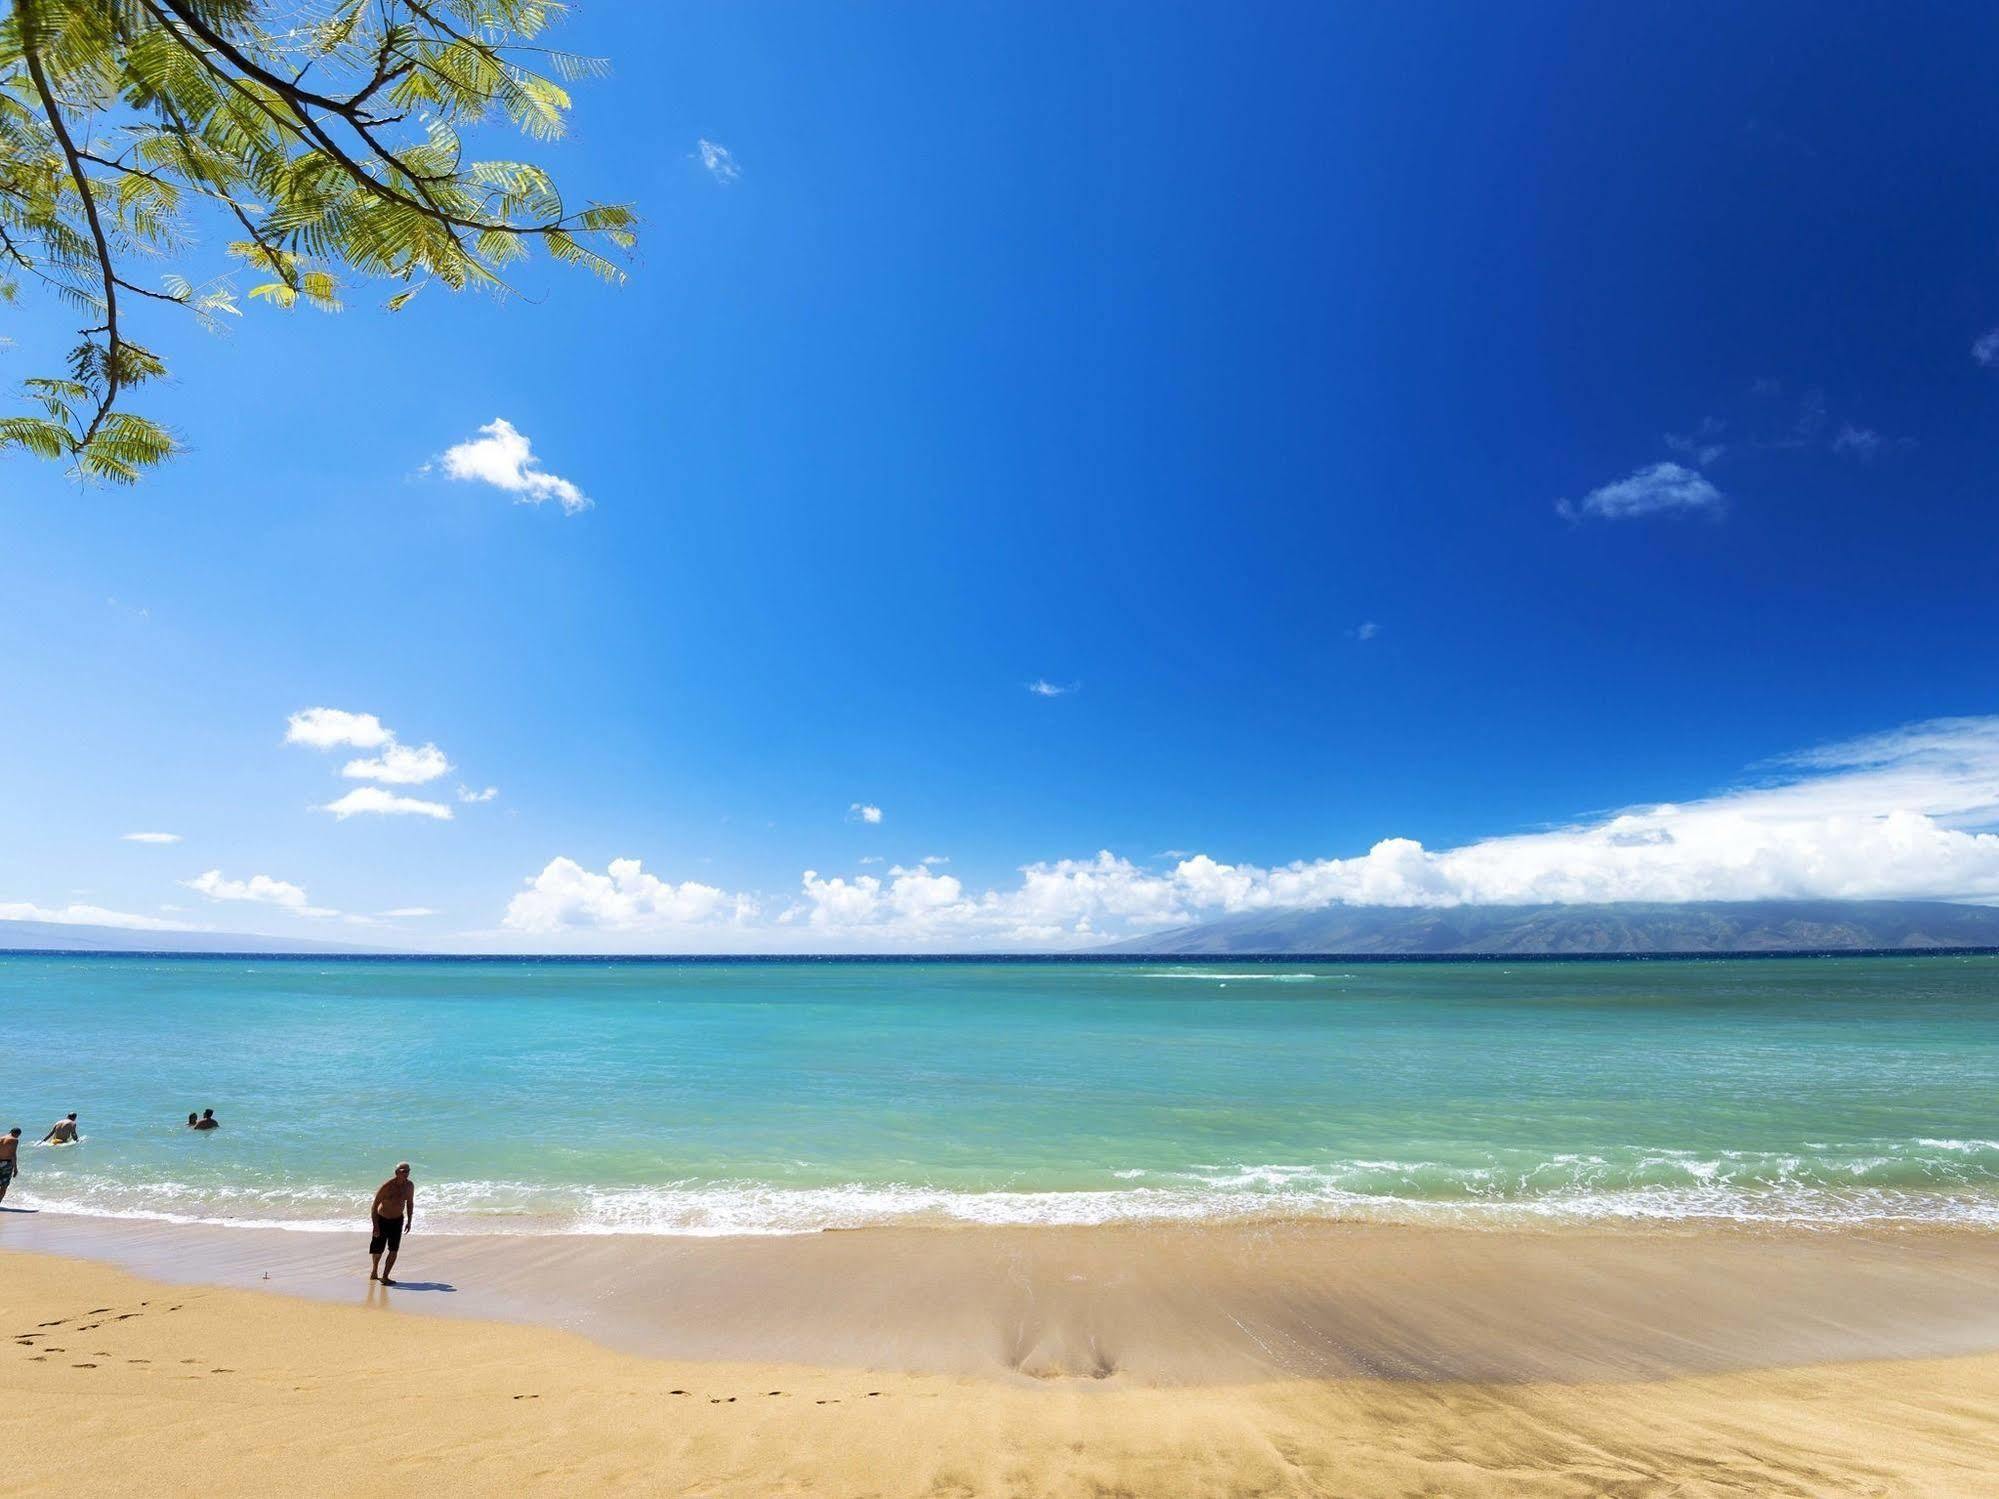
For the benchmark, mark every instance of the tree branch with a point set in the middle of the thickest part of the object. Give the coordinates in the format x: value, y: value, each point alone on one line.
x: 31, y: 54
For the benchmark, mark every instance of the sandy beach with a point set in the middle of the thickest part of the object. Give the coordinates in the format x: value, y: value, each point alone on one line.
x: 1288, y: 1359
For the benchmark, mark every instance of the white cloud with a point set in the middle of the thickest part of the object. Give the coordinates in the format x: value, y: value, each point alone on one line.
x: 399, y: 765
x: 325, y: 728
x: 1703, y: 444
x: 1650, y: 491
x: 625, y: 898
x: 1367, y: 629
x: 1042, y: 687
x: 260, y: 889
x: 1900, y: 815
x: 934, y: 859
x: 75, y: 915
x: 411, y: 912
x: 1985, y: 348
x: 501, y: 456
x: 1861, y: 442
x: 149, y: 837
x: 373, y: 799
x: 720, y: 164
x: 862, y: 812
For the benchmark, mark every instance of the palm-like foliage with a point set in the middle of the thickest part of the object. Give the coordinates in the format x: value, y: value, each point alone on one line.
x: 327, y: 139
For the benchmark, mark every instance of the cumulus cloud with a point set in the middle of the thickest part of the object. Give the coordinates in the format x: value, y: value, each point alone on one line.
x: 624, y: 898
x: 1985, y: 348
x: 260, y: 889
x: 400, y: 765
x: 720, y: 164
x: 1042, y: 687
x: 396, y: 764
x: 502, y: 456
x: 149, y: 837
x: 328, y: 728
x: 1900, y: 815
x: 1662, y: 488
x: 76, y: 915
x: 862, y: 812
x: 373, y: 799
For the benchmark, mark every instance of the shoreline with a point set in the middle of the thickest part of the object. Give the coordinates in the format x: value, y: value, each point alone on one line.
x: 1156, y: 1304
x: 113, y: 1384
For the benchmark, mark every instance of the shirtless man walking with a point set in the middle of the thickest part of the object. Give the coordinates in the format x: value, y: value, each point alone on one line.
x: 10, y: 1159
x: 393, y: 1214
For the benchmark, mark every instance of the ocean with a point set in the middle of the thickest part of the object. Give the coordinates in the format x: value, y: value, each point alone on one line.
x: 780, y: 1097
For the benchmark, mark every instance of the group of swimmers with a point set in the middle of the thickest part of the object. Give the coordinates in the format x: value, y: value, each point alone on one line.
x: 390, y: 1215
x: 63, y: 1132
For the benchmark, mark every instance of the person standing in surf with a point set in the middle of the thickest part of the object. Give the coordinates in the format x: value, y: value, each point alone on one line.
x: 10, y: 1159
x: 62, y: 1132
x: 392, y: 1215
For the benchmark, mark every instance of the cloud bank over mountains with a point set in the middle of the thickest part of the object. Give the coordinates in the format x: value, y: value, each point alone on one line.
x: 1902, y: 815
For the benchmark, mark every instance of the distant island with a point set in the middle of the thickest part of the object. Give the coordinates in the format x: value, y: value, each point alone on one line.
x: 65, y: 936
x: 1694, y: 927
x: 1772, y: 926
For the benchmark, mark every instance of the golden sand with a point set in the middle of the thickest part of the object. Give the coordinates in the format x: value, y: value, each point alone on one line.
x: 116, y: 1385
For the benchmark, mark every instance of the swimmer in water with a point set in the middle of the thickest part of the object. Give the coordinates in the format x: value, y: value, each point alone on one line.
x: 62, y: 1132
x: 206, y: 1121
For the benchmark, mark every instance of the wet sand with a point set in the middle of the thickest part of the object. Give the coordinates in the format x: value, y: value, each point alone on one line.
x: 110, y: 1384
x: 1170, y: 1304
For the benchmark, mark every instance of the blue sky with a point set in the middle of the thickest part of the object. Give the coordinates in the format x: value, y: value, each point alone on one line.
x: 1387, y: 423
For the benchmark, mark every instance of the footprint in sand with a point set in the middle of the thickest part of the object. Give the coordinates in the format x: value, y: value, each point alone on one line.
x: 57, y: 1323
x: 83, y: 1366
x: 221, y: 1371
x: 676, y: 1392
x: 138, y: 1361
x: 527, y: 1397
x: 190, y: 1360
x: 777, y: 1392
x: 40, y: 1358
x: 95, y: 1310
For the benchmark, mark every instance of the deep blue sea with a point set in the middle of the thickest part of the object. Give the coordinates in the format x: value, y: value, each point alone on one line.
x: 705, y: 1098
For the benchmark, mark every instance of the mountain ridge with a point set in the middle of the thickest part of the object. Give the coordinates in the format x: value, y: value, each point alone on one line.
x: 1611, y: 927
x: 78, y: 937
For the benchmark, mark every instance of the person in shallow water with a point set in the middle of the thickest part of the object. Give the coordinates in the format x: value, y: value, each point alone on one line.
x: 393, y: 1214
x: 10, y: 1159
x: 206, y: 1121
x: 61, y: 1132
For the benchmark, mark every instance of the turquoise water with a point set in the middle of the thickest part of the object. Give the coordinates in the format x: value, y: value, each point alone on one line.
x: 761, y: 1097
